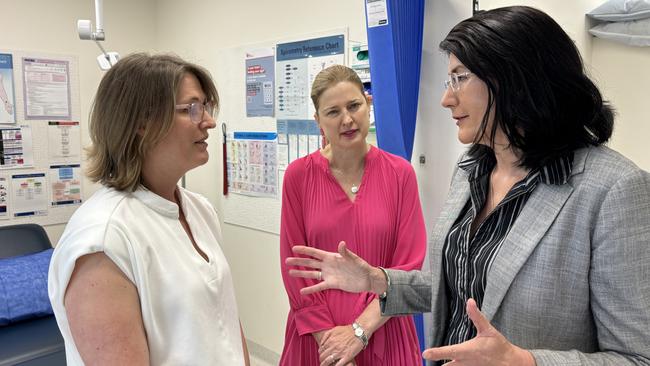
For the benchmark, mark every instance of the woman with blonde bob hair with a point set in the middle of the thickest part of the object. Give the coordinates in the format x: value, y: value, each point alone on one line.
x: 138, y: 272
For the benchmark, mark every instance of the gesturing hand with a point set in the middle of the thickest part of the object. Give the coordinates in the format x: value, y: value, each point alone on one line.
x: 339, y: 346
x: 343, y: 270
x: 489, y: 347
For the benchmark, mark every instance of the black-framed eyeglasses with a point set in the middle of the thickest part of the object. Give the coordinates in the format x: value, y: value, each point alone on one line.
x: 196, y: 110
x: 456, y: 80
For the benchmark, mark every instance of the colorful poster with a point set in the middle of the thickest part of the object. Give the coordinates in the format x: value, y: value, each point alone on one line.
x: 260, y: 83
x: 29, y: 195
x: 7, y: 97
x: 65, y: 184
x: 64, y: 139
x: 46, y: 88
x: 16, y: 148
x: 252, y: 164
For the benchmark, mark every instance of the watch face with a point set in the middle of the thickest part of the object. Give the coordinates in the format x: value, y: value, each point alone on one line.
x: 358, y: 332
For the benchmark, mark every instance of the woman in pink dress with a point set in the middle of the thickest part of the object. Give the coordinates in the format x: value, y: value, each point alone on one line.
x: 354, y: 192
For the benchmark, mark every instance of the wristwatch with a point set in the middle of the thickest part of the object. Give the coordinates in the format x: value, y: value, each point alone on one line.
x: 360, y: 333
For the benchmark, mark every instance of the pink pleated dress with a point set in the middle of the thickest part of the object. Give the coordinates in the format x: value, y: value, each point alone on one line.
x: 384, y: 225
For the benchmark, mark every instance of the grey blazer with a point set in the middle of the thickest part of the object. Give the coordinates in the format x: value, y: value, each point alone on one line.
x: 571, y: 282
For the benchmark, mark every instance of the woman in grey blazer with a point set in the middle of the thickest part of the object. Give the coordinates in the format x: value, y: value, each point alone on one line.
x: 545, y: 230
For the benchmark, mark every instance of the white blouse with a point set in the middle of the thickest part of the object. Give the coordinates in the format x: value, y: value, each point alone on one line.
x: 188, y: 305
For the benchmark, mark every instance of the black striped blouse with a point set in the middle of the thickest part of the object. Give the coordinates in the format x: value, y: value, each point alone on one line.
x: 467, y: 259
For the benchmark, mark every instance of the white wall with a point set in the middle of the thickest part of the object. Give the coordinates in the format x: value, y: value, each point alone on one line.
x: 623, y: 74
x: 50, y: 27
x: 435, y: 131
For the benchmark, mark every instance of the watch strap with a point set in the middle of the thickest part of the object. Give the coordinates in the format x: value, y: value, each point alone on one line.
x: 360, y: 333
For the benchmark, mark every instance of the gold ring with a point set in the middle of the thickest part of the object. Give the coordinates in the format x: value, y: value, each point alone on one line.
x: 320, y: 275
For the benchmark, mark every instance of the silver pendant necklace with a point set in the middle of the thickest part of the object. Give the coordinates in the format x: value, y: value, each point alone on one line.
x: 354, y: 188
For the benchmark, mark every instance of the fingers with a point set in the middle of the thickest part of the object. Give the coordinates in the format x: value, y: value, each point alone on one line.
x: 343, y: 250
x: 303, y: 262
x: 323, y: 340
x: 480, y: 321
x: 443, y: 353
x: 309, y: 251
x: 343, y: 361
x: 305, y: 274
x: 327, y: 361
x: 347, y: 254
x: 321, y: 286
x: 333, y: 359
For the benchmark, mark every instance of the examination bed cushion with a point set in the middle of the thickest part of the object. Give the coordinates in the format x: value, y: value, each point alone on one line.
x: 23, y: 287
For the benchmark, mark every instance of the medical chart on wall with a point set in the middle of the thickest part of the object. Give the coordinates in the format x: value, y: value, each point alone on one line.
x: 296, y: 138
x: 255, y: 166
x: 297, y: 64
x: 16, y: 147
x: 4, y: 198
x: 65, y: 184
x: 260, y: 82
x: 7, y: 96
x: 46, y: 88
x: 40, y: 146
x: 64, y: 139
x: 29, y: 193
x: 252, y: 163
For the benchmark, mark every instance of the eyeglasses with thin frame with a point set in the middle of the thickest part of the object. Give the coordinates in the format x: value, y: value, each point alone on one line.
x: 455, y: 80
x: 196, y: 110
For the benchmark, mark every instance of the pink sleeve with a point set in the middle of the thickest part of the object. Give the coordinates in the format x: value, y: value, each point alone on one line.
x: 411, y: 245
x: 311, y: 312
x: 411, y: 237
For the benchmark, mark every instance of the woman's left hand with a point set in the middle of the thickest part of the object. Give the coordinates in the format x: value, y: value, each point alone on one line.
x: 489, y: 347
x: 339, y: 346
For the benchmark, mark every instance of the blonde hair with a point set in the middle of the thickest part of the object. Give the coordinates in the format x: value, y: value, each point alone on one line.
x: 132, y: 111
x: 331, y: 76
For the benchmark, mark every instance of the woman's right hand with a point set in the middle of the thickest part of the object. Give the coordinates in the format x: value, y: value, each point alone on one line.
x: 343, y: 270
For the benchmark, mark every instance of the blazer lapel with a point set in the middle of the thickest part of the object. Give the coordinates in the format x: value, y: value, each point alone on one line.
x: 536, y: 218
x: 534, y: 221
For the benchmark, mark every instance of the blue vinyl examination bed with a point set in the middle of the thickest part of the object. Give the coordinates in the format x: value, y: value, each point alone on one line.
x: 34, y: 341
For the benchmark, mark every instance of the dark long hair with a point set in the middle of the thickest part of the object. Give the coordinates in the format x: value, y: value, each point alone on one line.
x: 543, y: 101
